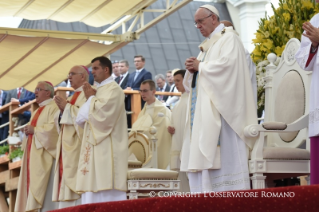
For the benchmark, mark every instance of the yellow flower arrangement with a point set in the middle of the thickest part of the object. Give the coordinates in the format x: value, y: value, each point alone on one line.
x: 275, y: 31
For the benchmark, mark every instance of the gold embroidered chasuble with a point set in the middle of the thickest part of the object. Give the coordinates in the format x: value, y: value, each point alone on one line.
x: 70, y: 139
x: 43, y: 151
x: 103, y: 158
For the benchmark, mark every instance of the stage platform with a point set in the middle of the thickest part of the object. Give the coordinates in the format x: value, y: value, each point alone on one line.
x: 294, y: 198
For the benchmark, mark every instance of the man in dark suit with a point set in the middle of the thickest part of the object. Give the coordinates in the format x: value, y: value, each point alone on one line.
x: 162, y: 86
x: 135, y: 80
x: 140, y: 75
x: 123, y: 78
x: 17, y: 93
x: 23, y: 96
x: 4, y: 117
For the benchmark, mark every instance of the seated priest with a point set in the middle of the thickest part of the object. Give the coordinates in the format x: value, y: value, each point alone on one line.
x: 69, y: 142
x: 102, y: 167
x: 34, y: 188
x: 160, y: 117
x: 177, y: 129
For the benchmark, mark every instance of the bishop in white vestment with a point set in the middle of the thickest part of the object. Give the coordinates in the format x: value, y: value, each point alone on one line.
x: 36, y: 176
x: 69, y: 142
x: 220, y: 106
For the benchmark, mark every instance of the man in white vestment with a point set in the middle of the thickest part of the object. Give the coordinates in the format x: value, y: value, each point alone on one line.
x: 102, y: 169
x: 177, y: 129
x: 36, y: 175
x: 220, y: 106
x: 69, y: 142
x: 160, y: 117
x: 250, y: 63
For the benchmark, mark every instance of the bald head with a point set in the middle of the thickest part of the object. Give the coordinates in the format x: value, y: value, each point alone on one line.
x: 227, y: 23
x: 77, y: 76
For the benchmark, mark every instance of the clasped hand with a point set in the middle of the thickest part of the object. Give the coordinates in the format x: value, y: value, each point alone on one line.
x: 88, y: 90
x: 191, y: 64
x: 311, y: 32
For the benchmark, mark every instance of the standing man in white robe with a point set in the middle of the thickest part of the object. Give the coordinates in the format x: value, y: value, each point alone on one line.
x: 36, y: 175
x: 307, y: 58
x: 220, y: 106
x: 177, y: 129
x: 69, y: 142
x: 102, y: 169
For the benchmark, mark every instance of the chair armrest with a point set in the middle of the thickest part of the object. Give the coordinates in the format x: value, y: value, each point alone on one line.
x: 254, y: 129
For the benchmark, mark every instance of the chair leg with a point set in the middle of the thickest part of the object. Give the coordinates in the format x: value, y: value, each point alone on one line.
x: 308, y: 179
x: 258, y: 181
x: 133, y: 194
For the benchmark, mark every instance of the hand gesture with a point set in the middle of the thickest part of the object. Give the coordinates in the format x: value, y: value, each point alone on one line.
x: 171, y: 130
x: 191, y: 64
x: 88, y: 90
x: 60, y: 102
x: 311, y: 32
x: 29, y: 130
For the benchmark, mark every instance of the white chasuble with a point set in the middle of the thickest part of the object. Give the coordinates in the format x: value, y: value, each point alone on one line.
x: 103, y: 158
x: 161, y: 119
x: 179, y: 113
x: 302, y: 56
x: 42, y: 155
x: 224, y: 98
x: 69, y: 144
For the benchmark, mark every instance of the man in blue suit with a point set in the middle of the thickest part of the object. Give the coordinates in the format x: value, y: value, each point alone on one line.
x: 135, y: 80
x: 4, y: 117
x: 140, y: 75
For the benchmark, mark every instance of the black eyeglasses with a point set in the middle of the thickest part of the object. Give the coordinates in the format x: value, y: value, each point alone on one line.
x: 200, y: 21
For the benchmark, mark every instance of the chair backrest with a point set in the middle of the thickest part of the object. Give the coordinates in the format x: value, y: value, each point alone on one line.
x: 289, y: 97
x: 139, y: 146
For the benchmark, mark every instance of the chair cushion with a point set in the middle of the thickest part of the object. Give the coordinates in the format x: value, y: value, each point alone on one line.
x: 274, y: 125
x: 150, y: 173
x: 286, y: 153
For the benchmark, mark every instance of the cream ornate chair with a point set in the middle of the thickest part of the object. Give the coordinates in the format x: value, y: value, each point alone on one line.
x: 148, y: 178
x: 276, y: 154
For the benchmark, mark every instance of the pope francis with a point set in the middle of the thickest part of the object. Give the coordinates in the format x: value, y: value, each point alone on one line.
x: 220, y: 106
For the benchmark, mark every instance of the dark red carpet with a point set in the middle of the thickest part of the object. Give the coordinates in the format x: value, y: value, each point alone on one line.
x: 295, y: 198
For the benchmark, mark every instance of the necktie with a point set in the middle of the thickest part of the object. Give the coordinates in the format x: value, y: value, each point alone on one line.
x: 120, y: 79
x: 136, y: 74
x: 19, y: 93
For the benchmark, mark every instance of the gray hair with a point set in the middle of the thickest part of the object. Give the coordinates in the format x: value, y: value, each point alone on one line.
x: 124, y: 61
x: 159, y: 76
x: 48, y: 87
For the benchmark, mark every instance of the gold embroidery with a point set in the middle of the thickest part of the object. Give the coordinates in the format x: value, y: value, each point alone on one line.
x: 84, y: 171
x: 154, y: 185
x: 87, y: 154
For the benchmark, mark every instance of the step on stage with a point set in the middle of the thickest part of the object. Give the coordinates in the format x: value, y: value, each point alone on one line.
x: 294, y: 198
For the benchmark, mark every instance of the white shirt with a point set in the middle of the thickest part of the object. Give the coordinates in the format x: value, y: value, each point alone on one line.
x: 83, y: 114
